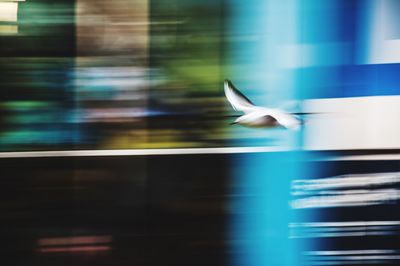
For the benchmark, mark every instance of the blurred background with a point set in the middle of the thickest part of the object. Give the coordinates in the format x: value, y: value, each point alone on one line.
x: 116, y: 146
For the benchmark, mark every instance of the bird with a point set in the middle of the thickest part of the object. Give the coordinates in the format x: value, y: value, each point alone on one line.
x: 258, y: 116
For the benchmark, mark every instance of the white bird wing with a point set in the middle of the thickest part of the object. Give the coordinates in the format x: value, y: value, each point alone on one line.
x: 286, y: 120
x: 238, y: 101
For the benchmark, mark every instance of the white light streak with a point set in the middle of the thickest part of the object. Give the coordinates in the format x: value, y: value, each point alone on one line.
x: 141, y: 152
x: 345, y: 224
x: 360, y: 180
x: 349, y: 252
x: 372, y: 197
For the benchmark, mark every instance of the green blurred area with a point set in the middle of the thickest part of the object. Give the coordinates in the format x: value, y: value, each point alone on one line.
x: 189, y: 45
x: 186, y: 45
x: 181, y: 66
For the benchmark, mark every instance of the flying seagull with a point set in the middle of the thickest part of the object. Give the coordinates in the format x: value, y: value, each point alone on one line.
x: 257, y: 116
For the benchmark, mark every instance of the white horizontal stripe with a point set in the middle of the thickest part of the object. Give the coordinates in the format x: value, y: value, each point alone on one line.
x: 340, y: 224
x: 344, y: 234
x: 373, y: 197
x: 349, y: 252
x: 217, y: 150
x: 344, y: 181
x: 139, y: 152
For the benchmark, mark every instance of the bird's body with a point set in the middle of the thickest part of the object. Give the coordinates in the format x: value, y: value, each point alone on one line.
x: 257, y: 116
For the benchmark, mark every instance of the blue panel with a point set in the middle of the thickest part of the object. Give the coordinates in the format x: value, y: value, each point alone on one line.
x: 259, y: 231
x: 350, y: 81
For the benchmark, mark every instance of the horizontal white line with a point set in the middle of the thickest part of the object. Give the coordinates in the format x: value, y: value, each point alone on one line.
x: 345, y: 181
x: 340, y: 224
x: 139, y: 152
x: 342, y: 234
x: 183, y: 151
x: 349, y: 252
x: 372, y: 197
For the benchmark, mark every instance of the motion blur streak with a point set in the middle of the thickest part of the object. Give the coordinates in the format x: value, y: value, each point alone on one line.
x: 346, y: 190
x: 140, y: 152
x: 339, y: 257
x: 111, y: 71
x: 74, y: 240
x: 348, y: 198
x: 352, y: 252
x: 343, y: 229
x: 259, y: 228
x: 345, y: 224
x: 82, y: 249
x: 356, y: 180
x: 74, y: 244
x: 116, y: 146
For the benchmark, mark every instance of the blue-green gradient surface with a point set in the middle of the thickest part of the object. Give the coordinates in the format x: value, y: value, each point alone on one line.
x: 260, y: 33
